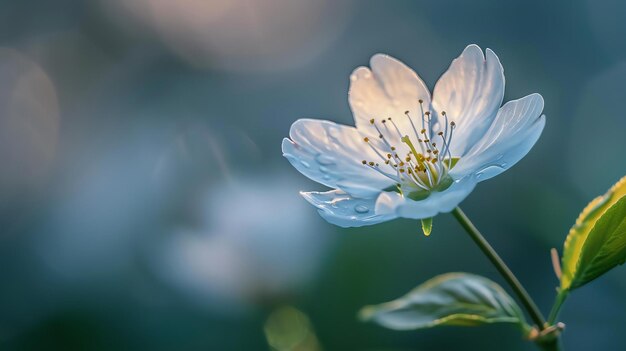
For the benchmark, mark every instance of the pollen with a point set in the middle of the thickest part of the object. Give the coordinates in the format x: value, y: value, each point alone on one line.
x: 420, y: 166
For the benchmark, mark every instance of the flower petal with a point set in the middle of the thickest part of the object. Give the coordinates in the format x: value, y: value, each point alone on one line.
x: 470, y: 92
x: 390, y: 203
x: 332, y: 154
x: 388, y: 90
x: 513, y: 133
x: 341, y: 209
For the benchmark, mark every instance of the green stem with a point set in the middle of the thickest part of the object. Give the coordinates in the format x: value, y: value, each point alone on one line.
x: 556, y: 308
x: 495, y: 259
x: 552, y: 345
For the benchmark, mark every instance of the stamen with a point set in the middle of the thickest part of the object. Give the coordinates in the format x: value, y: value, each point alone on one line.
x: 434, y: 160
x: 396, y: 127
x: 412, y: 124
x: 390, y: 176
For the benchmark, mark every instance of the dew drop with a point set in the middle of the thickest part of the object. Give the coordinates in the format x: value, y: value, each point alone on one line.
x: 323, y: 169
x: 326, y: 177
x: 490, y: 171
x: 325, y: 160
x: 333, y: 132
x: 305, y: 164
x: 361, y: 209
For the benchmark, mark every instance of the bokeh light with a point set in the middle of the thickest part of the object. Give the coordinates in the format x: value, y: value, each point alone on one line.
x: 239, y: 35
x: 29, y: 124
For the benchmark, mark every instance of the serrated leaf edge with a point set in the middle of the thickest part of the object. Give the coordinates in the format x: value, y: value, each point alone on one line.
x: 589, y: 210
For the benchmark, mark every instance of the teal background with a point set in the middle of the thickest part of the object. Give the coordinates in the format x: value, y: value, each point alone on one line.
x: 81, y: 207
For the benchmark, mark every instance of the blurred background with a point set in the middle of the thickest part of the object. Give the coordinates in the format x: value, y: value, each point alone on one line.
x: 145, y: 204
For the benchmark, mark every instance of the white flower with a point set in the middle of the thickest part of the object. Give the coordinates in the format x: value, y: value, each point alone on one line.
x: 412, y: 156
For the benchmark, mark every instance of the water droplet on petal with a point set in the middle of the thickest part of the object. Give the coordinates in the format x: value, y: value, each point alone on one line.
x: 361, y: 209
x: 333, y: 132
x: 323, y: 169
x: 325, y: 160
x: 326, y: 177
x: 490, y: 171
x: 305, y: 164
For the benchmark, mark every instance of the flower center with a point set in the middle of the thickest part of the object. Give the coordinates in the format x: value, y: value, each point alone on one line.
x: 425, y: 165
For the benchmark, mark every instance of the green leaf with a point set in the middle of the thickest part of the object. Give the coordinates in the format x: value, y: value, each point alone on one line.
x: 450, y: 299
x: 584, y: 240
x: 605, y: 246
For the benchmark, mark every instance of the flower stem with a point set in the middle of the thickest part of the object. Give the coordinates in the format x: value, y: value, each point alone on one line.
x: 556, y: 308
x: 552, y: 345
x: 495, y: 259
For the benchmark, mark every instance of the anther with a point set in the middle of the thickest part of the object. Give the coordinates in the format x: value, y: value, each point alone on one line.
x: 371, y: 163
x: 372, y: 121
x: 364, y: 162
x: 443, y: 113
x: 366, y: 139
x: 427, y: 113
x: 420, y: 101
x: 406, y: 112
